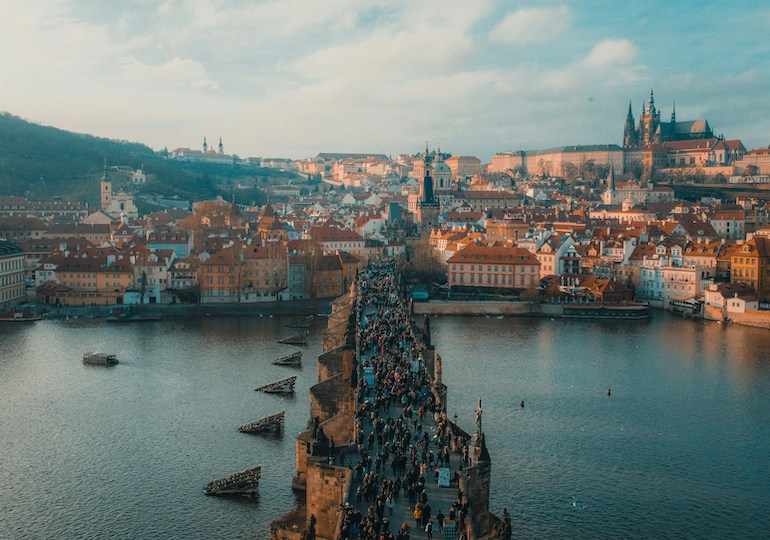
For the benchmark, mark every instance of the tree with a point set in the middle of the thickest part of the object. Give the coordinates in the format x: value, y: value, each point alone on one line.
x: 278, y: 271
x: 423, y: 263
x: 635, y: 168
x: 313, y: 262
x: 750, y: 170
x: 570, y: 171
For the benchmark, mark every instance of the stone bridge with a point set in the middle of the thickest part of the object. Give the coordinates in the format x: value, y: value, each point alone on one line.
x: 333, y: 433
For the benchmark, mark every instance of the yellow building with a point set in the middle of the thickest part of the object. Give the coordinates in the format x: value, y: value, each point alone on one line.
x: 463, y: 167
x: 494, y: 266
x: 750, y: 264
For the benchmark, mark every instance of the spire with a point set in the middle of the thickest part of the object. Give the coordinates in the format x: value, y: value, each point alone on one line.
x: 651, y: 103
x: 205, y: 145
x: 673, y: 112
x: 644, y: 111
x: 427, y: 186
x: 611, y: 178
x: 221, y: 148
x: 629, y: 130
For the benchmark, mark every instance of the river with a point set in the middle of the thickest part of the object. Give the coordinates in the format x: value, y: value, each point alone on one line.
x: 680, y: 448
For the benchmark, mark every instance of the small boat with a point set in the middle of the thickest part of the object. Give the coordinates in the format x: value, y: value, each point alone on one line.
x: 99, y: 359
x: 132, y: 318
x: 20, y: 316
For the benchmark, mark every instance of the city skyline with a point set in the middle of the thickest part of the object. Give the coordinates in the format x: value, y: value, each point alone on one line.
x: 295, y: 78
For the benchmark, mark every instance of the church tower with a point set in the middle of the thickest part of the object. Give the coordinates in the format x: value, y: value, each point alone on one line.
x: 205, y: 145
x: 651, y: 122
x: 441, y: 173
x: 629, y: 131
x: 106, y: 188
x: 221, y: 148
x: 428, y: 207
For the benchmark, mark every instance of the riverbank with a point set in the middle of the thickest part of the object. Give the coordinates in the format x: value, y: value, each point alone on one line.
x: 289, y: 308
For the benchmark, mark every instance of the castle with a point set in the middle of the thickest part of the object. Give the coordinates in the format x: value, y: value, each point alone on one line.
x: 651, y: 130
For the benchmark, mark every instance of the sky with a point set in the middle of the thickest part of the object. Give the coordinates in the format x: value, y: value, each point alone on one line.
x: 291, y: 78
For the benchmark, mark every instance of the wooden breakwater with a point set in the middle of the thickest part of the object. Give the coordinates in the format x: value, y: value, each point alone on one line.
x: 273, y: 422
x: 241, y: 483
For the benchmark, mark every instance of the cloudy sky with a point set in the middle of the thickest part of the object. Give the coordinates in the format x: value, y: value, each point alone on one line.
x: 295, y: 77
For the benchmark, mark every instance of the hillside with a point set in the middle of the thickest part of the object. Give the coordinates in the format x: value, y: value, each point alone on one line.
x: 42, y: 162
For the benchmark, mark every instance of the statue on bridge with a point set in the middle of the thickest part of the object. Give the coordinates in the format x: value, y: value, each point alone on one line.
x: 479, y: 412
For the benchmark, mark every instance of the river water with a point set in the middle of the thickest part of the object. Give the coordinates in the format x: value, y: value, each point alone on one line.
x: 680, y: 449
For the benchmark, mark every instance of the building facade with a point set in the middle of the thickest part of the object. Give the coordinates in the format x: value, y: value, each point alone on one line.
x: 12, y: 289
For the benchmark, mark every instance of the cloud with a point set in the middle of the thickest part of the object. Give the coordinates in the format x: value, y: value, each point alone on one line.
x: 610, y: 53
x: 532, y: 25
x: 182, y: 72
x: 609, y: 63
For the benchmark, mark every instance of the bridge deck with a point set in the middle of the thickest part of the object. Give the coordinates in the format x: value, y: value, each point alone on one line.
x: 389, y: 357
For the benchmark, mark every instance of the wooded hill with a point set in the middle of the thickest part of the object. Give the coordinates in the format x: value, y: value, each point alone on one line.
x: 42, y: 162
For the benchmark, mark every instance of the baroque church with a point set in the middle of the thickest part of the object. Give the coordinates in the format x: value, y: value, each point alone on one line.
x: 650, y: 130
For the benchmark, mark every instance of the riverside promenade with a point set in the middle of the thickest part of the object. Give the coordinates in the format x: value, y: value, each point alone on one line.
x: 400, y: 468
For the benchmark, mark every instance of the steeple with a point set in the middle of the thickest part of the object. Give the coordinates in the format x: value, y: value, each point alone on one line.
x: 205, y: 145
x: 611, y: 178
x: 427, y: 186
x: 651, y: 103
x: 673, y: 112
x: 629, y: 130
x: 106, y: 188
x: 221, y: 148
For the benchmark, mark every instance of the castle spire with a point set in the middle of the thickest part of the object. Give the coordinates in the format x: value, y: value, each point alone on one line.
x: 651, y: 103
x: 673, y: 112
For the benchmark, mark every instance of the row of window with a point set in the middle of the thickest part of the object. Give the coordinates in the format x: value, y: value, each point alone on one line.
x: 502, y: 268
x: 11, y: 279
x: 13, y: 264
x: 85, y: 276
x: 11, y: 294
x: 504, y: 279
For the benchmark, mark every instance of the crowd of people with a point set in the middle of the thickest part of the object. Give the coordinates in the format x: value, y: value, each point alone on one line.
x: 402, y: 434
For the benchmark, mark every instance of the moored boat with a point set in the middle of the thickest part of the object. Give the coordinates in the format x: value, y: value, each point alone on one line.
x: 99, y: 359
x: 20, y: 315
x: 601, y: 311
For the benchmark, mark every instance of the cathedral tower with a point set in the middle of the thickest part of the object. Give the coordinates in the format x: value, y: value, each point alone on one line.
x: 629, y: 131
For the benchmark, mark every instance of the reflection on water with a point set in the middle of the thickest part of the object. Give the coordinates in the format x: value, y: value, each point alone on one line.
x: 125, y: 452
x: 679, y: 450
